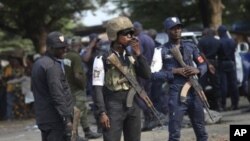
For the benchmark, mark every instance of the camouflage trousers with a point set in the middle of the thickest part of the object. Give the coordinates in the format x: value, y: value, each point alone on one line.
x: 81, y: 99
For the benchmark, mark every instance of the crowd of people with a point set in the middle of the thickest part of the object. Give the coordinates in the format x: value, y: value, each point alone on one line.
x: 70, y: 72
x: 16, y: 95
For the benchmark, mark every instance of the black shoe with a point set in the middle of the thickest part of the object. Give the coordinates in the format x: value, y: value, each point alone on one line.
x: 220, y: 109
x: 234, y: 107
x: 92, y: 135
x: 81, y: 139
x: 149, y: 125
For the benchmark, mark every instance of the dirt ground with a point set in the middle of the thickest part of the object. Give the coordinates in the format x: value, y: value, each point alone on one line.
x: 26, y: 130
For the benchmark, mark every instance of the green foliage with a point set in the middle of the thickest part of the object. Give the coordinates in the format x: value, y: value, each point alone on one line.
x: 152, y: 13
x: 9, y: 42
x: 236, y: 10
x: 34, y: 19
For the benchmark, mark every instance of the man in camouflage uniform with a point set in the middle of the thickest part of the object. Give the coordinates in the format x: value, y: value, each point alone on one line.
x: 77, y: 81
x: 111, y: 91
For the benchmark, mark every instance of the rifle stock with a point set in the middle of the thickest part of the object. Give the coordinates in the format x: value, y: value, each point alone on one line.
x: 75, y: 124
x: 193, y: 80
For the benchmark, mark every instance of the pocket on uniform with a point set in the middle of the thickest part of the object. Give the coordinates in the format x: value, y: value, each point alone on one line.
x: 113, y: 106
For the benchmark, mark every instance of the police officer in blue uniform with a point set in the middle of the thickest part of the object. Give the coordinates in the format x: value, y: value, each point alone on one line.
x: 209, y: 46
x: 227, y: 68
x: 177, y: 76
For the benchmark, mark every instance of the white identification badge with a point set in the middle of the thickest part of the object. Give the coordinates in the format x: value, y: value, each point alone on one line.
x: 156, y: 64
x: 98, y: 72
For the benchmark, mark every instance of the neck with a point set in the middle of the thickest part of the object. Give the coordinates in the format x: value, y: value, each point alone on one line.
x: 118, y: 47
x: 175, y: 41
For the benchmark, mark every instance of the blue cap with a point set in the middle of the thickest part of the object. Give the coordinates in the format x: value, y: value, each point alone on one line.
x: 171, y: 22
x: 137, y: 25
x: 56, y: 40
x: 222, y: 29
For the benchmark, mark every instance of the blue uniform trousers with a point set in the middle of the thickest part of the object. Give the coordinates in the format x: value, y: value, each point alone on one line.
x: 228, y: 79
x: 193, y: 107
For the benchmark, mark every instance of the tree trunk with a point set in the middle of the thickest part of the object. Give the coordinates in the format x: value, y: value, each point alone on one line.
x: 216, y: 14
x: 205, y: 15
x: 42, y: 42
x: 39, y: 41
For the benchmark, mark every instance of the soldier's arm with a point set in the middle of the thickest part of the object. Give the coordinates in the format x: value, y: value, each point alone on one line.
x: 200, y: 61
x: 99, y: 99
x: 79, y: 75
x: 88, y: 53
x: 163, y: 75
x: 142, y: 68
x: 98, y: 83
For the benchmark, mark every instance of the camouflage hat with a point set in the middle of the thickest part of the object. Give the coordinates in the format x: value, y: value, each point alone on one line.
x: 117, y: 24
x: 76, y: 40
x: 56, y: 40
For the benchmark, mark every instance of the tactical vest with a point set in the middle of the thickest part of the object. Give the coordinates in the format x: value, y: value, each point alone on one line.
x: 115, y: 80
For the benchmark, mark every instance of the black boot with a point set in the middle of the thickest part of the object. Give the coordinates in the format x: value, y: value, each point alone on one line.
x: 81, y: 139
x: 149, y: 123
x: 90, y: 134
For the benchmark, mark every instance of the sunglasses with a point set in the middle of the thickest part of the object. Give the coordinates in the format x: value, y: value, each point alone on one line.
x: 127, y: 32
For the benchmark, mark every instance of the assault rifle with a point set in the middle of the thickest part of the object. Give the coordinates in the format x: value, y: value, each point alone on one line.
x: 193, y: 81
x: 136, y: 88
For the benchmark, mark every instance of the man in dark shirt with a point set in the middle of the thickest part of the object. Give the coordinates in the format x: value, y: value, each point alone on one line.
x: 209, y: 46
x: 146, y: 42
x: 53, y: 100
x: 227, y: 68
x: 147, y: 46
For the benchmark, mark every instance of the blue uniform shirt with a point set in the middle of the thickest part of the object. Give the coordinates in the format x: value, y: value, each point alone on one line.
x: 191, y: 56
x: 147, y: 46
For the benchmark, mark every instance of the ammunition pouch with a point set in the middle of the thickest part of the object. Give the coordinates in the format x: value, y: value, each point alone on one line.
x: 115, y: 80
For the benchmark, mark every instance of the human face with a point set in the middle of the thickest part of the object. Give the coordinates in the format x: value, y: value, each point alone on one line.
x: 59, y: 52
x: 125, y: 36
x: 175, y: 32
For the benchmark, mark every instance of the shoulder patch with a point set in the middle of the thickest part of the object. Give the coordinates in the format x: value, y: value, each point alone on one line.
x: 67, y: 62
x: 98, y: 72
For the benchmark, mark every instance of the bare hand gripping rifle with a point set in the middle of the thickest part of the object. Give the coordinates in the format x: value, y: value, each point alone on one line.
x: 136, y: 88
x: 193, y: 82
